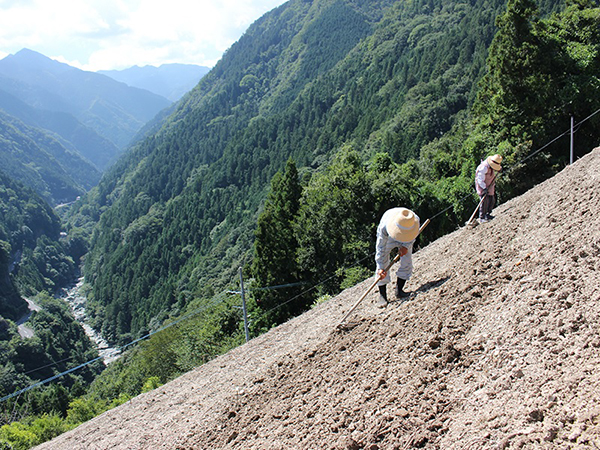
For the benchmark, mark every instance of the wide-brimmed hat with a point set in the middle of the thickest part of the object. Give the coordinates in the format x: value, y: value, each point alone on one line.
x: 494, y: 162
x: 403, y: 225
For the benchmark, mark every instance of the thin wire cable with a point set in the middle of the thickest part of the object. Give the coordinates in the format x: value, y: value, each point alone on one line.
x: 215, y: 301
x: 48, y: 380
x: 272, y: 287
x: 317, y: 285
x: 279, y: 286
x: 61, y: 395
x: 578, y: 125
x: 54, y: 363
x: 508, y: 170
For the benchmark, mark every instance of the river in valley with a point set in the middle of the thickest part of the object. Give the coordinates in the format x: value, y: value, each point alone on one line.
x: 74, y: 295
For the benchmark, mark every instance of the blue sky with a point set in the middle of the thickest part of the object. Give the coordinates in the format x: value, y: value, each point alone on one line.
x: 116, y: 34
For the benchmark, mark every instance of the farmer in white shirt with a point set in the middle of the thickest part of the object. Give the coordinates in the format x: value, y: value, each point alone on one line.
x: 485, y: 184
x: 398, y: 228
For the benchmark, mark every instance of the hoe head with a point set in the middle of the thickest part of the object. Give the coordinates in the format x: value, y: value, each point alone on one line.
x: 471, y: 224
x: 347, y: 326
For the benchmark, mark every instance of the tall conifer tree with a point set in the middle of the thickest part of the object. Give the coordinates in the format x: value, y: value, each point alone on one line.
x: 275, y: 248
x: 506, y: 93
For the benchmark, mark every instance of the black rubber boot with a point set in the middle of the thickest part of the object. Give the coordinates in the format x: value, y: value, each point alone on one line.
x: 399, y: 286
x: 382, y: 296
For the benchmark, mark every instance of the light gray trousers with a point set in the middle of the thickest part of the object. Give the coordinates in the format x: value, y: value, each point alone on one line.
x: 405, y: 267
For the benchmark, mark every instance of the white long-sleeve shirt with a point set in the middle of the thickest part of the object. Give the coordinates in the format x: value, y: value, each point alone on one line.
x: 384, y: 245
x: 485, y: 178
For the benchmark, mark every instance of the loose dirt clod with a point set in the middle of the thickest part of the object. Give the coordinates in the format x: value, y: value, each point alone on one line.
x: 498, y: 348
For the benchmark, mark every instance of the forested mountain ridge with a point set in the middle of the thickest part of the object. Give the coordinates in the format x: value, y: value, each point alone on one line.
x: 352, y: 93
x: 304, y: 79
x: 215, y: 114
x: 42, y: 161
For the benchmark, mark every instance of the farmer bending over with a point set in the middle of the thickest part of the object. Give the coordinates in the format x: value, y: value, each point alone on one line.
x: 398, y: 228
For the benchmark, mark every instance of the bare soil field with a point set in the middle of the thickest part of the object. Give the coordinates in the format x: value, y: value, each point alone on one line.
x: 497, y: 348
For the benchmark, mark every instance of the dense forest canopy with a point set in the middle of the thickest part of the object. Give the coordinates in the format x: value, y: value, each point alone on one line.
x: 396, y: 104
x: 178, y: 215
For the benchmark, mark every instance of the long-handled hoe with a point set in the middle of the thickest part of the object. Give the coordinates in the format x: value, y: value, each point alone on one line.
x: 472, y: 223
x: 362, y: 297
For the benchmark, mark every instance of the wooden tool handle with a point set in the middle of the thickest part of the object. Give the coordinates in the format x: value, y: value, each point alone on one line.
x: 389, y: 266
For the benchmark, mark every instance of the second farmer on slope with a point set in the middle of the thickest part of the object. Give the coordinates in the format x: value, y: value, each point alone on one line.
x: 485, y: 184
x: 398, y: 228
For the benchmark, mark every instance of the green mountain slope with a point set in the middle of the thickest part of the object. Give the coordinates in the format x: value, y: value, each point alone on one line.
x: 303, y: 80
x: 40, y: 161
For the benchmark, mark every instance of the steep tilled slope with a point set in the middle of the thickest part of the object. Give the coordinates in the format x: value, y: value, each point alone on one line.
x: 499, y: 348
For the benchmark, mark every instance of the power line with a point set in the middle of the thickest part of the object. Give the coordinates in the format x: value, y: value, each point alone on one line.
x: 508, y: 170
x: 215, y: 301
x: 48, y: 380
x: 279, y: 286
x: 197, y: 311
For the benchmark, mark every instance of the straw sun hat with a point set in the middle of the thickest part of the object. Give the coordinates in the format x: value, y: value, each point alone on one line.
x: 494, y: 162
x: 403, y: 225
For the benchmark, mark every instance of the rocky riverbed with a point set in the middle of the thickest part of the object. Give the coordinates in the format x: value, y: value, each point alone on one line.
x: 75, y: 297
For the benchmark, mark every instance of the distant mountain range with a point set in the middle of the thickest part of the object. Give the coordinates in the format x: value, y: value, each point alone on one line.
x: 171, y: 81
x: 113, y: 109
x: 62, y: 126
x: 97, y: 149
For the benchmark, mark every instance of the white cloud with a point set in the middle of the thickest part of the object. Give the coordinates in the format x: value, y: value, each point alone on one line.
x: 114, y: 34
